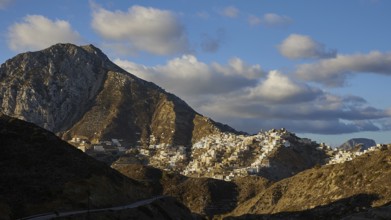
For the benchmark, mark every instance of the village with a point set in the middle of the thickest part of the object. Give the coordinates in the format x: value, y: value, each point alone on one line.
x: 226, y: 156
x: 105, y: 150
x: 221, y: 156
x: 341, y: 156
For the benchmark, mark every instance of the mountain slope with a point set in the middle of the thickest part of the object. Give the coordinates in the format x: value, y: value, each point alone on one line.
x: 78, y: 92
x: 202, y: 195
x: 366, y: 177
x: 40, y: 173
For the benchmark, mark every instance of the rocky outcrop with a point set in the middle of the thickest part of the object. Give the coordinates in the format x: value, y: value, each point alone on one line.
x: 54, y: 87
x: 78, y: 91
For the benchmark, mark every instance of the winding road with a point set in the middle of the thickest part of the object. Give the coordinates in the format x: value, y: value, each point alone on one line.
x: 52, y: 215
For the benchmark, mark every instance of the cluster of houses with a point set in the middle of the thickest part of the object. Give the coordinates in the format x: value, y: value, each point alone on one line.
x: 341, y: 156
x: 225, y: 156
x: 220, y: 156
x: 104, y: 147
x: 165, y: 156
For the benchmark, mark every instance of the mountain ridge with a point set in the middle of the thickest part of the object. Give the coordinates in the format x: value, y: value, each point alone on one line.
x: 78, y: 91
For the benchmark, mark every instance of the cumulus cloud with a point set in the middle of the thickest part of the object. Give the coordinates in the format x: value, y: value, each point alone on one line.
x: 246, y: 97
x: 237, y: 67
x: 37, y: 32
x: 297, y: 46
x: 230, y: 11
x: 187, y: 77
x: 279, y: 88
x: 270, y: 20
x: 142, y: 29
x: 333, y: 72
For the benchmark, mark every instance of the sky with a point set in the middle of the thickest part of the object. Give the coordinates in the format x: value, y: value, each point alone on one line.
x: 321, y: 69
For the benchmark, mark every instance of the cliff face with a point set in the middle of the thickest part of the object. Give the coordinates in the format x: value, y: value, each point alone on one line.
x: 78, y: 91
x: 53, y: 87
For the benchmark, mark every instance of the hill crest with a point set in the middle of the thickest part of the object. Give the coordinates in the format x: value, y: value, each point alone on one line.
x: 78, y: 92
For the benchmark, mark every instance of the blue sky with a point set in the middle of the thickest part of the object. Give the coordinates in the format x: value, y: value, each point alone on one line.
x: 318, y: 68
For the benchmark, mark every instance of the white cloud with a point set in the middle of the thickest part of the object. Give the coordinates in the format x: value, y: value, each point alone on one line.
x: 188, y: 77
x: 230, y: 11
x: 270, y: 20
x: 142, y: 29
x: 243, y: 96
x: 277, y: 87
x: 333, y: 72
x: 297, y: 46
x: 38, y: 32
x: 237, y: 67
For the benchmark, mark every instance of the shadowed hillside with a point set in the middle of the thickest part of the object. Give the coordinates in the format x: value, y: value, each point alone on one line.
x: 40, y: 173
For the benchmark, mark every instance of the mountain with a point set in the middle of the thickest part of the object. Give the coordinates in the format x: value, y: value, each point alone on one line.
x: 40, y: 173
x: 78, y: 92
x: 331, y: 191
x: 359, y: 144
x: 87, y: 100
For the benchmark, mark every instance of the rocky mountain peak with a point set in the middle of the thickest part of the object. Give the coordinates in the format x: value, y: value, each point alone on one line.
x: 77, y: 91
x: 49, y: 87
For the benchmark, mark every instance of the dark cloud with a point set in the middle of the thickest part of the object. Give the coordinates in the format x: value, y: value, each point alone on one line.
x: 333, y: 72
x: 329, y: 127
x: 212, y: 44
